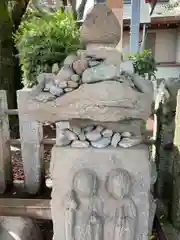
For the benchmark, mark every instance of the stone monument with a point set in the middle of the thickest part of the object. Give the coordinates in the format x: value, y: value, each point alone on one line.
x: 100, y: 166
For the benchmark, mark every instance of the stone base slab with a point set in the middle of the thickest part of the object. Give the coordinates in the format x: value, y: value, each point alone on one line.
x: 72, y: 171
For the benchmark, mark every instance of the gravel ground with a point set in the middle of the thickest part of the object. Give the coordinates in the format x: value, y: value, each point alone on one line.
x: 17, y: 165
x: 18, y: 174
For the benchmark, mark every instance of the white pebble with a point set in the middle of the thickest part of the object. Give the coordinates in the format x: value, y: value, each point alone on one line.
x: 62, y: 84
x: 115, y: 139
x: 71, y: 135
x: 82, y: 136
x: 126, y: 134
x: 56, y: 91
x: 68, y: 90
x: 79, y: 144
x: 72, y: 84
x: 49, y: 183
x: 75, y: 78
x: 107, y: 133
x: 93, y: 136
x: 62, y: 140
x: 130, y: 142
x: 102, y: 143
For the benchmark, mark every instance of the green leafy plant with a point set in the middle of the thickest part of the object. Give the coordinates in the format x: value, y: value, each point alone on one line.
x: 43, y: 40
x: 144, y: 63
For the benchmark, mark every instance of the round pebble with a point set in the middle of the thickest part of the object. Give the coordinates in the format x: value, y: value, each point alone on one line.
x: 93, y: 136
x: 56, y: 91
x: 126, y: 134
x: 102, y: 143
x: 107, y: 133
x: 62, y: 84
x: 130, y: 142
x: 71, y: 135
x: 72, y: 84
x: 115, y: 139
x: 80, y: 66
x: 79, y: 144
x: 75, y: 78
x: 68, y: 90
x: 49, y: 183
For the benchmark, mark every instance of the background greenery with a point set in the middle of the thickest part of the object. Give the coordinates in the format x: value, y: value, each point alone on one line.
x: 45, y: 39
x: 144, y: 63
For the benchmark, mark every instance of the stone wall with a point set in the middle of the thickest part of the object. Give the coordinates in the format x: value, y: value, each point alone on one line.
x: 165, y: 115
x: 167, y: 184
x: 176, y: 169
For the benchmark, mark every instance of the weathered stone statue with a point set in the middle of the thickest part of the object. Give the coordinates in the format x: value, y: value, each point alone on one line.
x: 82, y: 220
x: 100, y: 166
x: 118, y: 185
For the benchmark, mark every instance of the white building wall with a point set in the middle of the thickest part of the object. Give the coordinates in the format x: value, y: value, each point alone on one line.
x: 165, y: 46
x: 168, y: 72
x: 167, y: 50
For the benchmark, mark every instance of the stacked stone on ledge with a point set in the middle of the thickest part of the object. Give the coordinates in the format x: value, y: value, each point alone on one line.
x: 90, y: 66
x: 94, y: 136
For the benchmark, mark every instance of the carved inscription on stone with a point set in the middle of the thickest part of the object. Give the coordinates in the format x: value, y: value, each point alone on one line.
x: 123, y: 219
x: 82, y: 220
x: 87, y: 218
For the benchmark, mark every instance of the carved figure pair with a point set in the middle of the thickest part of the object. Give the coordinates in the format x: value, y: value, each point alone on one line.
x: 83, y: 215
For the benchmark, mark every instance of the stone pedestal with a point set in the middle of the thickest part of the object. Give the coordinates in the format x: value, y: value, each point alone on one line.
x: 100, y: 193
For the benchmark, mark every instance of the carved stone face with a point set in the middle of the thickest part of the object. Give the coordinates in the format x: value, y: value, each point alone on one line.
x: 85, y: 183
x: 118, y: 183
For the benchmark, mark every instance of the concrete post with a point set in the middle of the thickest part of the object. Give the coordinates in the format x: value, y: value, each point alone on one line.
x: 31, y: 134
x: 5, y: 156
x: 135, y: 23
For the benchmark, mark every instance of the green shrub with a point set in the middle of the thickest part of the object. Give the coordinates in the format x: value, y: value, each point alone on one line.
x: 43, y: 40
x: 144, y: 63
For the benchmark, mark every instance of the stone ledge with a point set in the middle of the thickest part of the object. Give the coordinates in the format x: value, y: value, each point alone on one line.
x: 108, y: 101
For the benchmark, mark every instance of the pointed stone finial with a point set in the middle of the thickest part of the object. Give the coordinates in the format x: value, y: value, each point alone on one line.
x: 101, y: 26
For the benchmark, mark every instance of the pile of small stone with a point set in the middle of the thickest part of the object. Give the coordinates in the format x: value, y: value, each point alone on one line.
x: 95, y: 136
x: 88, y: 66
